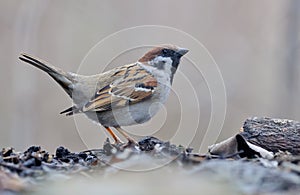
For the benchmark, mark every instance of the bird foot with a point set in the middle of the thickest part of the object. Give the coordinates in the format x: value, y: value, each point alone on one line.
x: 130, y: 144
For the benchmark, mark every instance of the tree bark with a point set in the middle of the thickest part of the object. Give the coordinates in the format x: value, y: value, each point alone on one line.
x: 273, y: 134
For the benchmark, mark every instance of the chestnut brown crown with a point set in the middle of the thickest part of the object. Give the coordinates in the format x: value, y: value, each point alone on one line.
x: 171, y: 51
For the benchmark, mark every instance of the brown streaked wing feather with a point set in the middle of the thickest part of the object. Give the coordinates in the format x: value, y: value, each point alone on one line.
x: 123, y: 92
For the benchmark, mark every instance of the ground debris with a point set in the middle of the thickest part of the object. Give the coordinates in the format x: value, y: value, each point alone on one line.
x: 37, y: 163
x: 238, y: 158
x: 148, y: 143
x: 24, y: 169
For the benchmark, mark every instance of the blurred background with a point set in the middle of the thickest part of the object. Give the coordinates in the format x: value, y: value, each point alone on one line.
x: 255, y: 44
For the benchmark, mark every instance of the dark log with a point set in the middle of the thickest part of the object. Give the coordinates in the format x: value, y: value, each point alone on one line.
x: 273, y: 134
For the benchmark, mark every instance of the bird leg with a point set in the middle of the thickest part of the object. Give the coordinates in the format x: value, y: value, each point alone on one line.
x: 115, y: 137
x: 122, y: 132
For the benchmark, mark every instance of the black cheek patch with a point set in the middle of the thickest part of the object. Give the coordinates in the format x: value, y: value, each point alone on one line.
x: 160, y: 65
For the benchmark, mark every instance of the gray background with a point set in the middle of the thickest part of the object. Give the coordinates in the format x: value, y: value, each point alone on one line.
x: 255, y: 44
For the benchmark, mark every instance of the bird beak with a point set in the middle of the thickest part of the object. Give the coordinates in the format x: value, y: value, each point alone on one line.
x: 182, y: 51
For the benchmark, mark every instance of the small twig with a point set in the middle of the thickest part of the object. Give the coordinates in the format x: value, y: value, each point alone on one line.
x: 9, y: 157
x: 234, y: 154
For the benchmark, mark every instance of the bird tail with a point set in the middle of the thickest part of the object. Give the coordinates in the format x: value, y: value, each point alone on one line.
x: 64, y: 79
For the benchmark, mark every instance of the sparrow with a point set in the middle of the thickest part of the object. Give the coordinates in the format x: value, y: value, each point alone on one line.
x: 126, y: 95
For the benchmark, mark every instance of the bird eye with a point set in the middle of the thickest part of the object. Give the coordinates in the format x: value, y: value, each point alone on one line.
x: 163, y: 61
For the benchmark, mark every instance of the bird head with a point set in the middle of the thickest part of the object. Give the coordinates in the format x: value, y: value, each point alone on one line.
x: 165, y: 57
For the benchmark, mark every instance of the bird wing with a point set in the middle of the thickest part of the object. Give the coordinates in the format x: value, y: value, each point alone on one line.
x: 135, y: 85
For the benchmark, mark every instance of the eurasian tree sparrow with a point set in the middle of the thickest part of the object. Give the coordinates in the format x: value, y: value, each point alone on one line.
x: 121, y: 96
